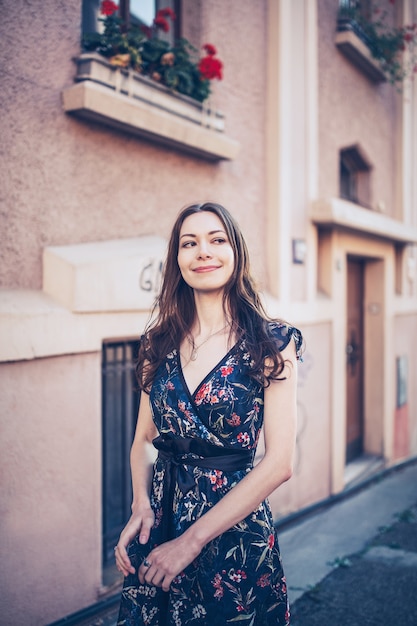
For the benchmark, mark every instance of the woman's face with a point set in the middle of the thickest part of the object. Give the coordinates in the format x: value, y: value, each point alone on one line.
x: 205, y: 256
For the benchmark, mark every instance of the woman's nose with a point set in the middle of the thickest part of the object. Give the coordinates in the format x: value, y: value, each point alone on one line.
x: 204, y: 251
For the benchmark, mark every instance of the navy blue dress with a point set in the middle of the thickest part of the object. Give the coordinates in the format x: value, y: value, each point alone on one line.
x: 207, y: 444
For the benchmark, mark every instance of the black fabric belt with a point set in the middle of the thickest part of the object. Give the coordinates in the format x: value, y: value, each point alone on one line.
x: 175, y: 452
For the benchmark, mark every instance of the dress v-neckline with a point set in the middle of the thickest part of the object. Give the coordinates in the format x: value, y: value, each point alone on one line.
x: 190, y: 394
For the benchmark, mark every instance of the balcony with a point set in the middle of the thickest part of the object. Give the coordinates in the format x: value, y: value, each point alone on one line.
x: 125, y: 100
x: 355, y: 44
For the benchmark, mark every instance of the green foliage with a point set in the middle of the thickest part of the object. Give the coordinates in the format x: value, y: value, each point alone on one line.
x: 176, y: 67
x: 395, y: 48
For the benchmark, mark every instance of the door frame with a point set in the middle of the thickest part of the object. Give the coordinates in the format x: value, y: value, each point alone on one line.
x: 355, y: 359
x: 379, y: 277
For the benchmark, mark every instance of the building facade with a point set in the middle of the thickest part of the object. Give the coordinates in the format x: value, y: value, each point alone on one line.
x: 313, y: 152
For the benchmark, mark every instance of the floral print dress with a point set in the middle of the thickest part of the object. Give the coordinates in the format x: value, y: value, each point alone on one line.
x: 238, y: 577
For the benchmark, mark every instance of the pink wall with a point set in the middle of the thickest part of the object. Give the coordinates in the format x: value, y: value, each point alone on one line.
x: 405, y: 333
x: 366, y: 119
x: 68, y: 181
x: 50, y: 504
x: 311, y: 478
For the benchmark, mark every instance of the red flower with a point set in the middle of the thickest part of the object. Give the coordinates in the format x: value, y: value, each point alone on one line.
x: 271, y: 541
x: 243, y: 438
x: 210, y: 68
x: 161, y: 23
x: 263, y: 580
x: 167, y: 12
x: 108, y: 7
x: 226, y: 370
x: 234, y: 420
x: 210, y: 49
x: 203, y: 392
x: 160, y: 19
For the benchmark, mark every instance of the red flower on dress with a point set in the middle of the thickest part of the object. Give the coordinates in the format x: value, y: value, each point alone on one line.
x: 234, y: 420
x: 243, y: 438
x: 203, y: 392
x: 108, y: 7
x: 210, y: 68
x: 271, y: 541
x: 217, y: 584
x: 263, y: 581
x: 217, y: 479
x: 237, y: 575
x: 226, y: 370
x: 210, y: 49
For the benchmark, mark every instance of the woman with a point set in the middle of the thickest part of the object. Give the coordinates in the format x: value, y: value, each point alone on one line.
x: 200, y: 547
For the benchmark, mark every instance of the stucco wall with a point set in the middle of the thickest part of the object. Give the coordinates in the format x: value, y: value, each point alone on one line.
x: 67, y: 181
x: 405, y: 334
x: 50, y: 504
x: 366, y: 119
x: 311, y: 478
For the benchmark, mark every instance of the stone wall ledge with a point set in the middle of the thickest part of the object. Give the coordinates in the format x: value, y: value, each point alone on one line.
x: 33, y: 325
x: 338, y: 213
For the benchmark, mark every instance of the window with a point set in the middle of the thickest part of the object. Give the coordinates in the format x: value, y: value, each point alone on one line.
x: 361, y: 7
x: 354, y: 176
x: 135, y: 104
x: 137, y: 12
x: 143, y: 12
x: 120, y: 403
x: 356, y: 41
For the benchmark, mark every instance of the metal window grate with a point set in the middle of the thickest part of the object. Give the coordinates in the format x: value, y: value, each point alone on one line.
x: 120, y: 405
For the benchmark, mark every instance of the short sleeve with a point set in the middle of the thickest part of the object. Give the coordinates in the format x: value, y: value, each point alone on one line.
x: 283, y: 333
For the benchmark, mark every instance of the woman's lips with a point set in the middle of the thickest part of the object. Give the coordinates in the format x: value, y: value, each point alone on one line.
x: 205, y: 268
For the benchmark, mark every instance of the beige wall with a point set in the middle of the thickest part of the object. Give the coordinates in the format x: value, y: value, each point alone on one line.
x: 50, y: 466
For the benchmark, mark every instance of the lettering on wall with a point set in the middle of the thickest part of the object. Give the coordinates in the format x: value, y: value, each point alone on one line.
x: 150, y: 276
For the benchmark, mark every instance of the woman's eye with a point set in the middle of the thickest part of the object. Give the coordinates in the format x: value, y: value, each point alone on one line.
x: 219, y: 240
x: 188, y: 244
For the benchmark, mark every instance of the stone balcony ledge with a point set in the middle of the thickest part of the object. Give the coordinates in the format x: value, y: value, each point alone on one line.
x: 123, y: 99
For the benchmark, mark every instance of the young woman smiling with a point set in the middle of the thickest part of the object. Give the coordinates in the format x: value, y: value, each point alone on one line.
x: 200, y: 547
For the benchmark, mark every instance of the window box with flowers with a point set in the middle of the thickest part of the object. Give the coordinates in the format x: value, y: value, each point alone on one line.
x: 132, y: 80
x: 382, y: 51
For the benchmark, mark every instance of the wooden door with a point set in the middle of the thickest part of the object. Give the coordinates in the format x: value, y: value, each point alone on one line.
x: 354, y: 359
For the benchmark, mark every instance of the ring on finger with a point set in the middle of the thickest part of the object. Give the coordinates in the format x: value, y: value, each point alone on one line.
x: 146, y: 563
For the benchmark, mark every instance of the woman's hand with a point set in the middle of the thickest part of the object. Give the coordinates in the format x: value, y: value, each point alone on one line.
x: 140, y: 523
x: 166, y: 561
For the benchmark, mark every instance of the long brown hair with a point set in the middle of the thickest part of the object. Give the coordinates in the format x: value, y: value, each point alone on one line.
x: 176, y: 311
